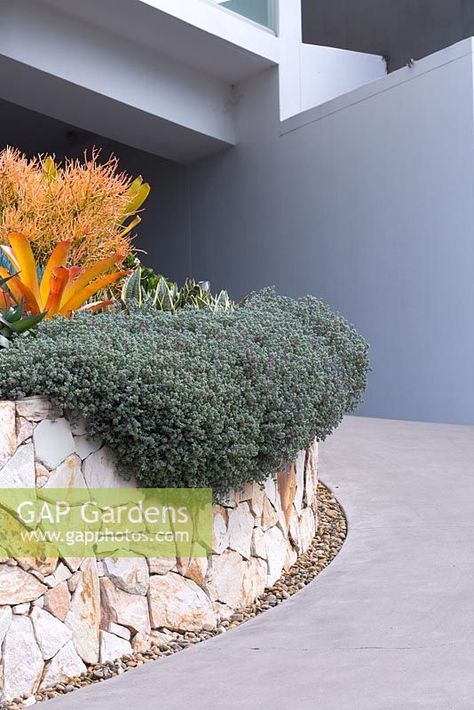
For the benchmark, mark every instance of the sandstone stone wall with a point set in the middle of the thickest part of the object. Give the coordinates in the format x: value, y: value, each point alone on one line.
x: 57, y: 616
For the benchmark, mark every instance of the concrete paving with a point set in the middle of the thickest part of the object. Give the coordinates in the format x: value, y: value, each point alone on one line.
x: 388, y: 626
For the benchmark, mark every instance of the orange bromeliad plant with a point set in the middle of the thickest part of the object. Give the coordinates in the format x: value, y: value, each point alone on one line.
x: 61, y: 290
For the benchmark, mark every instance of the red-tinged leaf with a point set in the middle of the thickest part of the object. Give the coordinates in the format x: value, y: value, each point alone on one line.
x: 83, y: 295
x: 97, y: 305
x: 87, y: 275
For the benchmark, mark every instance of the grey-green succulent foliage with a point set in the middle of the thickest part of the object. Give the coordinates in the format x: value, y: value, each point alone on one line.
x: 198, y: 398
x: 143, y: 286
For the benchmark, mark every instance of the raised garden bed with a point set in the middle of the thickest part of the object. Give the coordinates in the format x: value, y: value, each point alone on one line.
x: 59, y: 616
x: 148, y: 388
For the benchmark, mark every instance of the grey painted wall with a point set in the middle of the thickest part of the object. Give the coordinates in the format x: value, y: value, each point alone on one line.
x: 399, y: 29
x: 163, y: 233
x: 368, y: 204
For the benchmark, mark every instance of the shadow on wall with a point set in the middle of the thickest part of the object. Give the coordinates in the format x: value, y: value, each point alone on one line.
x: 397, y: 29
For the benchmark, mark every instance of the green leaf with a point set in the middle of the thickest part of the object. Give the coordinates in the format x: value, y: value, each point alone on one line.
x: 199, y: 302
x: 15, y: 312
x: 27, y: 323
x: 132, y: 287
x: 163, y: 299
x: 223, y: 302
x: 5, y: 280
x: 5, y: 322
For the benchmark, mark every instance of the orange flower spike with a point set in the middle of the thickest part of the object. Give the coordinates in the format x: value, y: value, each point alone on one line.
x: 59, y: 279
x: 57, y: 258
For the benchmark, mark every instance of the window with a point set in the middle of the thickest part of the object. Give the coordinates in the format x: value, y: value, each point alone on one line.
x: 261, y: 11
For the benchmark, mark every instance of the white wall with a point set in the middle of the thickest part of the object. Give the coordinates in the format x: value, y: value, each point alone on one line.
x: 160, y: 75
x: 367, y: 202
x: 327, y: 73
x: 79, y: 73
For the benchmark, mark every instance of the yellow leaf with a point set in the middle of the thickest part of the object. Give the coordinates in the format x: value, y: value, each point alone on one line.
x: 23, y: 256
x: 137, y: 193
x: 86, y: 276
x: 12, y: 284
x: 136, y: 220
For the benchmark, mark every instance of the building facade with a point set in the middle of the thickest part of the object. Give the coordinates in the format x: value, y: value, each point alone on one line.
x: 274, y: 162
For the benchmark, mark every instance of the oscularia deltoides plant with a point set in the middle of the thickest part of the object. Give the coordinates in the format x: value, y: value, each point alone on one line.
x: 198, y: 398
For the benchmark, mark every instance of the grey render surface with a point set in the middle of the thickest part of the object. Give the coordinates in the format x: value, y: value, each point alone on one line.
x: 389, y: 624
x: 397, y: 29
x: 365, y: 202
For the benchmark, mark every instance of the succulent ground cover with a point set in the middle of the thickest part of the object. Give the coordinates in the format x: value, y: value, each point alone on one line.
x: 197, y: 398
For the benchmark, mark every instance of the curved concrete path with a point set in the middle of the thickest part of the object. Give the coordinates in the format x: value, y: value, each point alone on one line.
x: 388, y: 626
